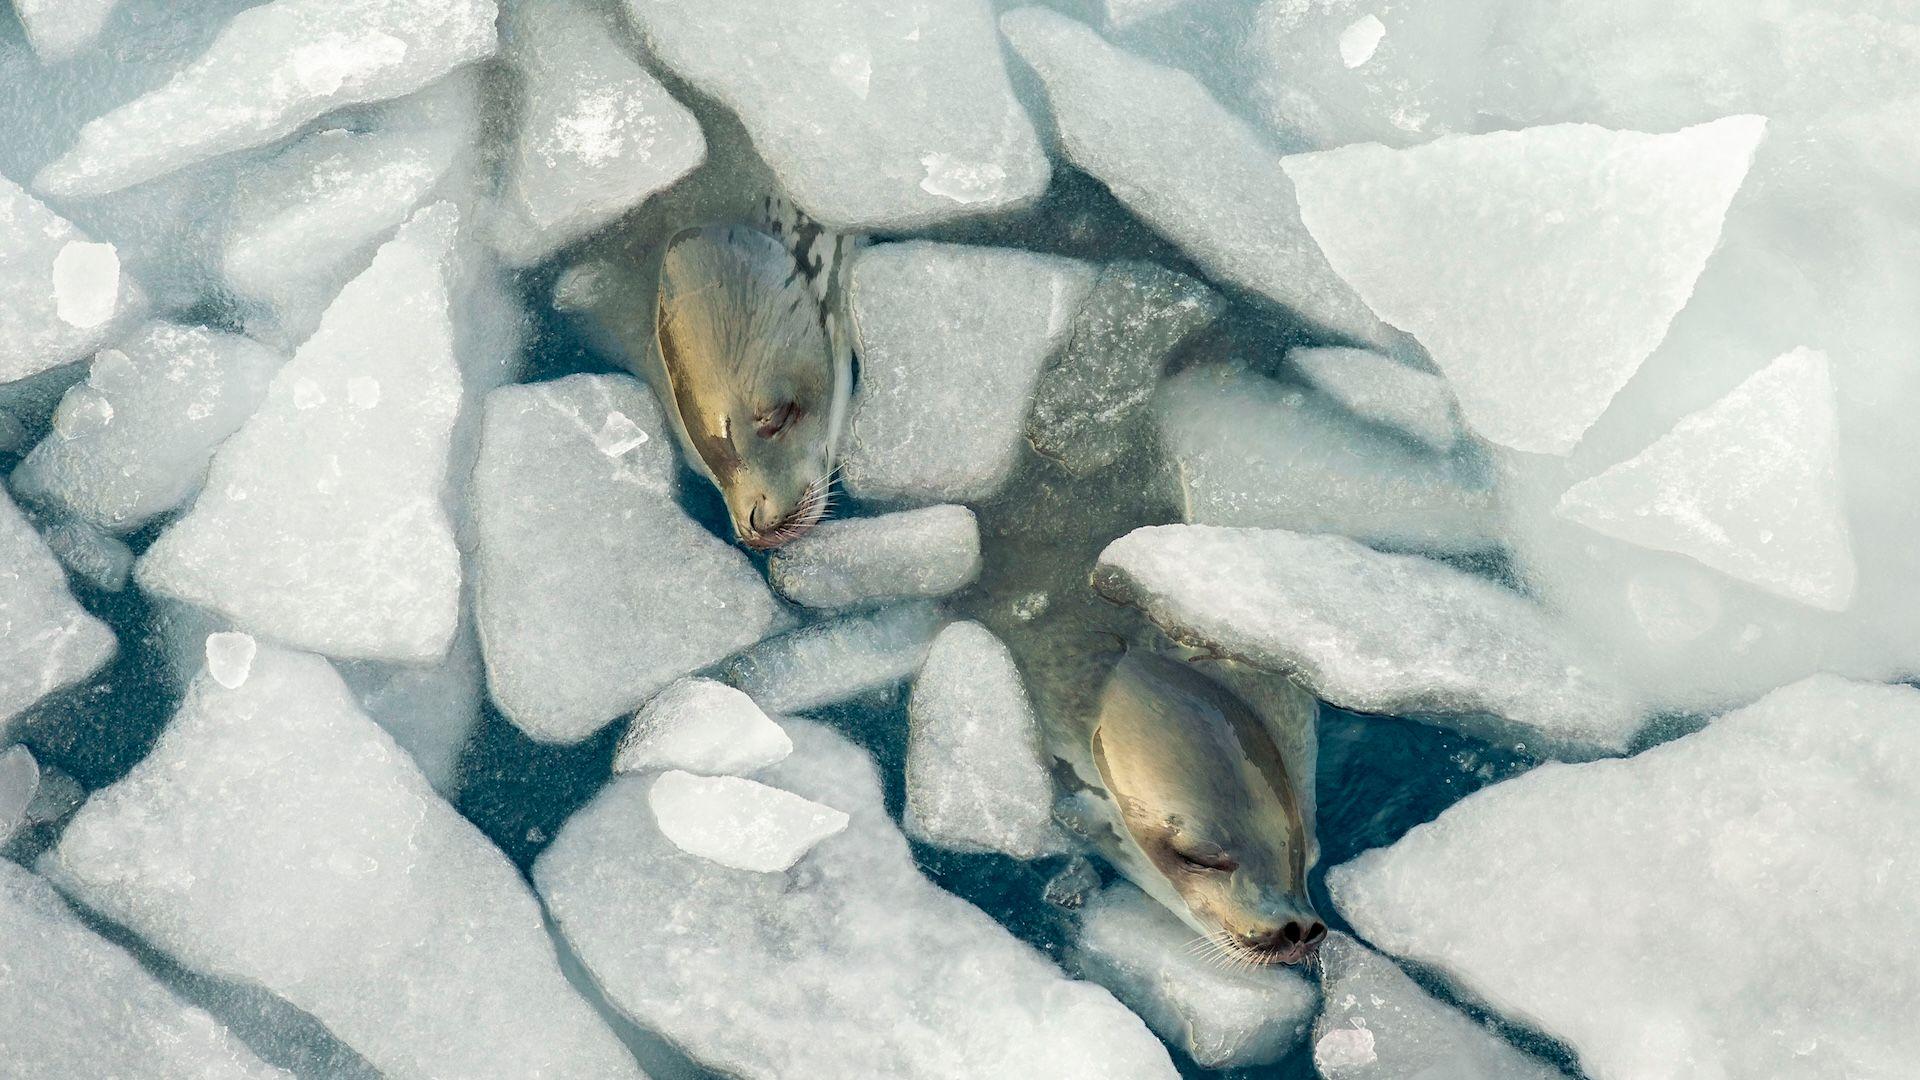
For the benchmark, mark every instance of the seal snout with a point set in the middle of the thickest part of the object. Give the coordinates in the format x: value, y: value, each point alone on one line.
x: 1288, y: 941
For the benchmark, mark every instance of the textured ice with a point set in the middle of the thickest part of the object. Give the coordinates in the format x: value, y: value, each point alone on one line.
x: 47, y: 641
x: 1186, y: 166
x: 277, y: 836
x: 1129, y: 326
x: 594, y: 588
x: 74, y: 1004
x: 597, y: 133
x: 975, y: 777
x: 273, y: 68
x: 851, y: 964
x: 1643, y: 911
x: 429, y: 709
x: 952, y: 339
x: 1248, y: 450
x: 701, y: 726
x: 57, y: 29
x: 1415, y: 403
x: 1223, y: 1017
x: 832, y: 661
x: 19, y: 782
x: 1375, y: 633
x: 1749, y: 486
x: 59, y: 291
x: 133, y: 441
x: 1377, y: 1024
x: 871, y: 114
x: 738, y: 822
x: 323, y: 522
x: 1568, y: 251
x: 927, y: 552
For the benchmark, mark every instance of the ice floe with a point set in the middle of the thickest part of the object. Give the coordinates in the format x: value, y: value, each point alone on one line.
x: 837, y: 659
x: 927, y: 552
x: 47, y: 640
x: 61, y: 294
x: 738, y: 822
x: 1415, y: 403
x: 701, y: 726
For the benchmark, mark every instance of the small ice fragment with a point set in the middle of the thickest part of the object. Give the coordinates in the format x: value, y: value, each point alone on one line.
x: 230, y: 658
x: 363, y: 391
x: 739, y: 823
x: 1358, y: 41
x: 701, y: 726
x: 962, y: 181
x: 83, y: 412
x: 86, y: 283
x: 308, y: 395
x: 1347, y: 1047
x: 619, y: 434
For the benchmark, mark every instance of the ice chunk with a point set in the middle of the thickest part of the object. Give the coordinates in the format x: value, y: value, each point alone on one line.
x: 597, y: 133
x: 975, y: 777
x: 274, y: 67
x: 19, y: 782
x: 701, y: 726
x: 851, y: 964
x: 47, y: 641
x: 832, y: 661
x: 75, y: 1004
x: 1607, y: 229
x: 1642, y: 910
x: 1137, y: 314
x: 1415, y: 403
x: 1248, y: 450
x: 429, y: 709
x: 1374, y: 633
x: 1359, y: 40
x: 738, y: 822
x: 1378, y: 1025
x: 230, y: 658
x: 104, y: 561
x: 1187, y: 167
x: 594, y: 588
x: 927, y: 552
x: 59, y: 291
x: 871, y: 114
x: 276, y: 835
x: 324, y: 522
x: 1749, y: 485
x: 951, y: 343
x: 1224, y: 1017
x: 171, y: 394
x: 57, y: 29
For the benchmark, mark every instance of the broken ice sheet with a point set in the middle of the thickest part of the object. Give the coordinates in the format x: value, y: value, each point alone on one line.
x: 19, y: 781
x: 61, y: 294
x: 47, y: 640
x: 738, y: 822
x: 704, y: 727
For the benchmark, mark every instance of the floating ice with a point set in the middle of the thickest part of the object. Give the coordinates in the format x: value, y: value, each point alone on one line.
x: 1377, y: 1024
x: 951, y: 343
x: 872, y: 115
x: 701, y: 726
x: 1359, y: 40
x: 1187, y: 167
x: 1248, y: 450
x: 975, y: 777
x: 57, y: 29
x: 1749, y: 485
x: 47, y: 641
x: 1374, y: 633
x: 1222, y: 1017
x: 1644, y: 911
x: 104, y: 561
x: 1415, y: 403
x: 1568, y: 249
x: 274, y: 67
x: 429, y: 709
x: 618, y: 435
x: 851, y: 964
x: 597, y: 133
x: 738, y: 822
x: 1137, y: 314
x: 277, y: 836
x: 173, y: 394
x: 19, y: 782
x: 59, y: 290
x: 832, y: 661
x: 230, y: 658
x: 927, y: 552
x: 594, y: 588
x: 75, y: 1004
x: 325, y: 526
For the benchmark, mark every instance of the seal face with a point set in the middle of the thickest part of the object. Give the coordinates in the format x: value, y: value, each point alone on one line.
x: 1209, y: 807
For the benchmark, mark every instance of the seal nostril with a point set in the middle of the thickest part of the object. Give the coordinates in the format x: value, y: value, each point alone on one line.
x: 757, y: 516
x: 1316, y: 932
x: 1290, y: 933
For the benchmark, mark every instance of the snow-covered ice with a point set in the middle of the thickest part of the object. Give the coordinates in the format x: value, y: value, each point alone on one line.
x: 976, y: 780
x: 61, y: 294
x: 1375, y: 633
x: 276, y: 835
x: 1222, y: 1017
x: 738, y: 822
x: 1606, y: 230
x: 1653, y: 912
x: 927, y: 552
x: 47, y: 640
x: 701, y: 726
x: 850, y: 964
x: 952, y: 339
x: 1415, y: 403
x: 832, y: 661
x: 19, y: 782
x: 58, y: 29
x: 323, y: 523
x: 594, y: 588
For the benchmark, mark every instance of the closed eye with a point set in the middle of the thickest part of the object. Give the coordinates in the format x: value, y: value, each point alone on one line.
x: 1218, y: 861
x: 778, y: 420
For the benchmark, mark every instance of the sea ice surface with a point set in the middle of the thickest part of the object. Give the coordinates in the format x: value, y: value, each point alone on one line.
x: 738, y: 822
x: 1568, y: 249
x: 927, y: 552
x: 19, y: 782
x: 47, y: 640
x: 837, y: 659
x: 850, y: 964
x: 277, y: 836
x: 57, y: 29
x: 1643, y: 910
x: 952, y: 339
x: 1415, y: 403
x: 323, y: 523
x: 60, y: 293
x: 594, y: 588
x: 701, y: 726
